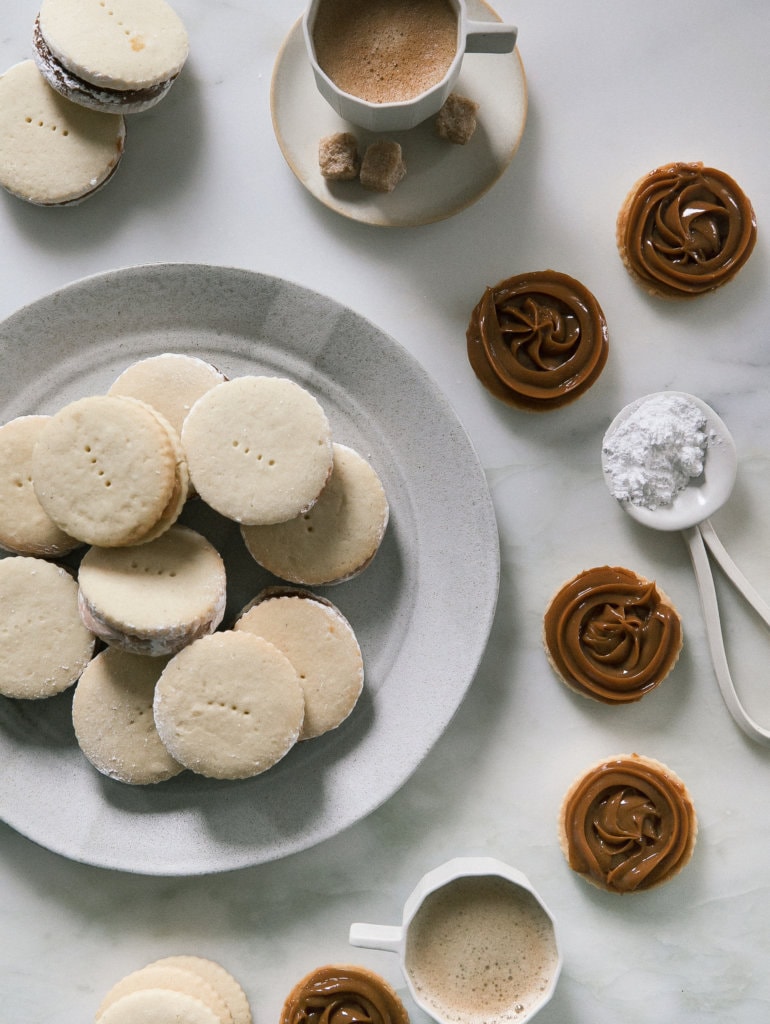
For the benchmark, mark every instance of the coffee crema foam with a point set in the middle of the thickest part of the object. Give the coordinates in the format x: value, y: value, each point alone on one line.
x: 385, y: 51
x: 481, y: 950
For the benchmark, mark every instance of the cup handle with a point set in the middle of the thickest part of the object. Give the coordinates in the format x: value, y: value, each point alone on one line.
x: 489, y: 37
x: 376, y: 936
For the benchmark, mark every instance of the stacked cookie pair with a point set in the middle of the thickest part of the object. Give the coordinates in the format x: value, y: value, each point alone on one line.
x: 173, y: 690
x: 228, y: 705
x: 62, y: 112
x: 185, y: 987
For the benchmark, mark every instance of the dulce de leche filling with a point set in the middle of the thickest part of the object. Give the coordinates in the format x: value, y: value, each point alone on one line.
x: 611, y: 635
x: 537, y: 340
x: 343, y: 995
x: 686, y: 229
x: 629, y: 824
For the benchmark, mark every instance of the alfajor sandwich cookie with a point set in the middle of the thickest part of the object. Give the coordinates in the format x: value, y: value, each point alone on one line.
x: 116, y: 56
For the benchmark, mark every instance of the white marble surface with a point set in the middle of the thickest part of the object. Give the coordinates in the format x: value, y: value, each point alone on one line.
x: 615, y: 89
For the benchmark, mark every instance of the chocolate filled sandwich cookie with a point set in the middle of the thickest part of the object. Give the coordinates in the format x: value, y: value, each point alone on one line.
x: 627, y: 824
x: 611, y: 634
x: 115, y: 56
x: 685, y: 229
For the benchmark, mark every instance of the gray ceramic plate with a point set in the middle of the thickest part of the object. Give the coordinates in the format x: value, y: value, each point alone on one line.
x: 422, y: 610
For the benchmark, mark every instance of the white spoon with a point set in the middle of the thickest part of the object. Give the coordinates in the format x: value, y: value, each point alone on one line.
x: 689, y: 512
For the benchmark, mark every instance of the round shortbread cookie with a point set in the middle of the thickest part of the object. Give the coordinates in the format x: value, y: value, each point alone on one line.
x: 113, y: 719
x: 44, y: 646
x: 171, y: 383
x: 110, y: 55
x: 181, y: 491
x: 172, y: 977
x: 229, y: 706
x: 53, y: 152
x: 105, y: 469
x: 158, y: 1006
x: 154, y: 598
x: 337, y: 538
x: 25, y: 529
x: 320, y: 643
x: 259, y: 449
x: 220, y: 979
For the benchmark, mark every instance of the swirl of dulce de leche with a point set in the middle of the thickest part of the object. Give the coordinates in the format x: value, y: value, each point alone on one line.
x: 628, y: 824
x: 343, y: 995
x: 685, y: 229
x: 537, y: 340
x: 611, y: 635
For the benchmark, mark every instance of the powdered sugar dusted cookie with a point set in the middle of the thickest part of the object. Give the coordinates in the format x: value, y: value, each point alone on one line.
x: 259, y: 449
x: 219, y: 978
x: 337, y: 538
x: 53, y: 152
x: 320, y: 643
x: 229, y: 706
x: 154, y: 598
x: 44, y: 646
x: 113, y: 720
x: 169, y: 977
x: 105, y: 469
x: 110, y: 55
x: 25, y: 529
x: 171, y: 383
x: 158, y: 1006
x: 182, y: 488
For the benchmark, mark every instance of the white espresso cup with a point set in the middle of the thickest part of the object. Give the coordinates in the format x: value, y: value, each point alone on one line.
x: 472, y: 37
x: 476, y: 944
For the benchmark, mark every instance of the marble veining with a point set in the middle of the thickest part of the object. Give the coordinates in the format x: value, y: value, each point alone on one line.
x: 614, y: 91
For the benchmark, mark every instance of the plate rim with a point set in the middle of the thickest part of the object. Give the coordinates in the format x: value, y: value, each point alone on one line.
x: 484, y: 512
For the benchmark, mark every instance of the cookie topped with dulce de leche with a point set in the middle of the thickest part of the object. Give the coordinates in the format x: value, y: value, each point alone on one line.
x: 537, y: 341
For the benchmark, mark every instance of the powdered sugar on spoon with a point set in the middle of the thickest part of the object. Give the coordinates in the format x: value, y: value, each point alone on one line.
x: 671, y: 463
x: 669, y: 460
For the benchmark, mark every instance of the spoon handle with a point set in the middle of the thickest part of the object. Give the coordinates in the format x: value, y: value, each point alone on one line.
x: 757, y: 602
x: 708, y: 596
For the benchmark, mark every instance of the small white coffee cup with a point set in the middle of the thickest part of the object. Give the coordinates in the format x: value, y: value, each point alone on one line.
x: 472, y: 37
x: 499, y: 906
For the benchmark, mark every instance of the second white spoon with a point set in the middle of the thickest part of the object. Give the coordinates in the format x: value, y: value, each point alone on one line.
x: 689, y: 512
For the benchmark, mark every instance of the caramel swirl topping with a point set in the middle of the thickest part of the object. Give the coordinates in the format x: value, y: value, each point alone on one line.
x: 611, y: 635
x: 629, y: 824
x: 538, y: 340
x: 686, y: 229
x: 343, y: 995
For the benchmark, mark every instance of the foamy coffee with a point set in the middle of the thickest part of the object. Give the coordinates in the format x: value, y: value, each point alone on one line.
x: 481, y: 950
x: 385, y: 51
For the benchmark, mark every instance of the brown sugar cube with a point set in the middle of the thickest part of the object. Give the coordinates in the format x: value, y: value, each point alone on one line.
x: 338, y: 157
x: 382, y: 167
x: 456, y: 121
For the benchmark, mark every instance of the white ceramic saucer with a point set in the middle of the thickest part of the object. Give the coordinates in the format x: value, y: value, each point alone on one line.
x: 442, y: 178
